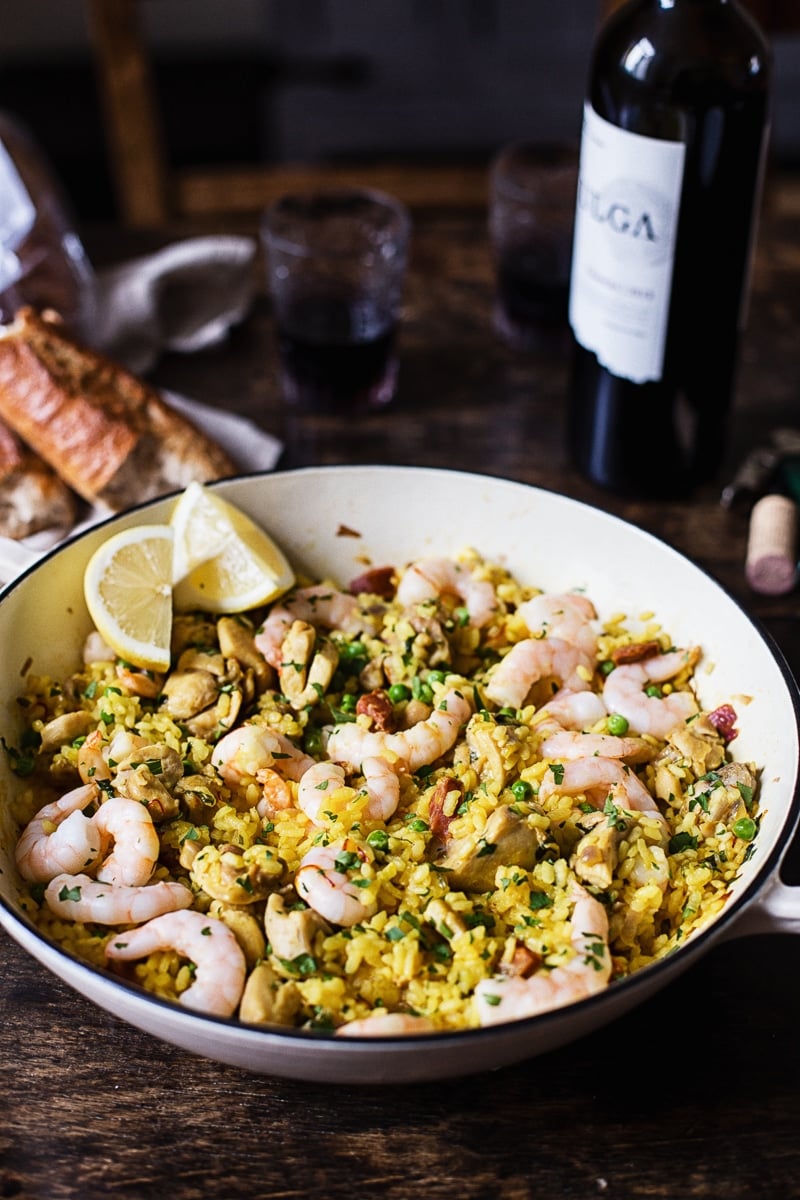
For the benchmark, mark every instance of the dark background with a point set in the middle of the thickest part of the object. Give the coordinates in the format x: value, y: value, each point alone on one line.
x: 241, y: 81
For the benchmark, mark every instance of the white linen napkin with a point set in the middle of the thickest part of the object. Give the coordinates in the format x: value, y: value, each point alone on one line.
x: 182, y: 298
x: 250, y: 448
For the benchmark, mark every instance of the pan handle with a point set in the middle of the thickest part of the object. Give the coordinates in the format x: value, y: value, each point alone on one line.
x: 776, y: 909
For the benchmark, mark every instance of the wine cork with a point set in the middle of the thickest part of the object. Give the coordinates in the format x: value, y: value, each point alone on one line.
x: 771, y: 563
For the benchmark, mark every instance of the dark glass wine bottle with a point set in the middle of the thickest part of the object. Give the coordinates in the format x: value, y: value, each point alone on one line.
x: 672, y: 153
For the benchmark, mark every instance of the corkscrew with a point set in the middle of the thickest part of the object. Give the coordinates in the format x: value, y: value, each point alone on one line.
x: 772, y: 466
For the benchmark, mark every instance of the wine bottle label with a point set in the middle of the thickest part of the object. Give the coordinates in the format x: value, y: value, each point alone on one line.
x: 17, y: 217
x: 625, y: 224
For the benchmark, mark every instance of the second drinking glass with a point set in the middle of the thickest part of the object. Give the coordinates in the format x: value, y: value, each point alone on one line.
x: 531, y: 209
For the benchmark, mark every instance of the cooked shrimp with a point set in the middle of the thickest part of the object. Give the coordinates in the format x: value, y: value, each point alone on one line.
x: 381, y: 784
x: 658, y: 715
x: 320, y: 606
x: 572, y: 744
x: 81, y: 898
x: 430, y: 578
x: 319, y: 781
x: 127, y: 824
x: 96, y: 756
x: 321, y: 881
x: 574, y: 710
x: 564, y: 726
x: 564, y: 615
x: 598, y: 778
x: 146, y: 684
x: 208, y: 943
x: 60, y: 837
x: 511, y: 998
x: 276, y: 795
x: 92, y: 763
x: 250, y: 749
x: 387, y: 1024
x: 416, y: 747
x: 534, y: 659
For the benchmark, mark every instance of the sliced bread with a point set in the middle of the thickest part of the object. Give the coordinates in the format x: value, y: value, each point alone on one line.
x: 106, y: 433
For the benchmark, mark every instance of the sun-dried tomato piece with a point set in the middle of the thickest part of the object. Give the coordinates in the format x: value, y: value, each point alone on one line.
x: 379, y: 708
x: 724, y: 721
x: 636, y: 652
x: 438, y: 819
x: 523, y: 962
x: 379, y: 581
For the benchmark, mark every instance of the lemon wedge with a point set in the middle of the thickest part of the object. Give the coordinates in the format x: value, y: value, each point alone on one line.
x: 223, y: 561
x: 128, y: 590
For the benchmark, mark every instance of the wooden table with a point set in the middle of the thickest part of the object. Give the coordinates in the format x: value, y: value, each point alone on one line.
x: 695, y: 1093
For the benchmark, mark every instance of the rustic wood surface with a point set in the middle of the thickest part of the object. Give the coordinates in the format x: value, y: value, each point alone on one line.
x: 696, y: 1093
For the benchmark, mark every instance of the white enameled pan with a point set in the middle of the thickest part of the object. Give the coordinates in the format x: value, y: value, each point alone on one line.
x: 331, y: 521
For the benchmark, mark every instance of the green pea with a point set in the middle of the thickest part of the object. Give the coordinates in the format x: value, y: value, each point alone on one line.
x: 351, y: 651
x: 348, y: 701
x: 654, y: 691
x: 745, y: 829
x: 312, y: 742
x: 437, y: 676
x: 606, y: 667
x: 421, y: 691
x: 398, y: 692
x: 522, y: 790
x: 617, y: 724
x: 378, y: 840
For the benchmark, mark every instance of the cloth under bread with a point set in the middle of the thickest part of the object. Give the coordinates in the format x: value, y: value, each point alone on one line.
x: 182, y: 298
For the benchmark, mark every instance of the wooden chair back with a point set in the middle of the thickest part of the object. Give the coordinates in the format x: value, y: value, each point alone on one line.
x: 151, y: 191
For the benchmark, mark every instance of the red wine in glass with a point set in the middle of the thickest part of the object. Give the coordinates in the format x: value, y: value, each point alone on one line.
x: 337, y: 353
x: 532, y: 295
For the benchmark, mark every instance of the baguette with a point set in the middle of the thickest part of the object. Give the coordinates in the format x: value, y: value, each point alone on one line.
x: 32, y: 497
x: 106, y: 433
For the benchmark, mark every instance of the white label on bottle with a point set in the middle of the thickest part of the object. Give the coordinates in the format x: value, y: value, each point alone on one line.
x: 17, y: 215
x: 625, y: 223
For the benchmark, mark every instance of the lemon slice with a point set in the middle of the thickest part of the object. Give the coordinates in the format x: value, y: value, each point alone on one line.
x: 223, y: 561
x: 202, y: 527
x: 128, y: 590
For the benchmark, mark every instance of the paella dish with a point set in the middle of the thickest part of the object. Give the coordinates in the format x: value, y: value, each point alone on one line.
x: 429, y: 798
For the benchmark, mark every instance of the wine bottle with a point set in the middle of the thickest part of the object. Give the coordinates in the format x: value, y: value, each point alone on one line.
x: 676, y: 124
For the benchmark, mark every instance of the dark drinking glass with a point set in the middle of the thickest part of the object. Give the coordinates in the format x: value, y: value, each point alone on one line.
x: 532, y: 292
x: 531, y: 210
x: 335, y: 266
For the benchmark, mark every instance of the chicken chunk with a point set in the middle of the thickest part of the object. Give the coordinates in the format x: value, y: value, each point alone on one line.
x: 595, y: 857
x: 290, y: 932
x: 507, y: 840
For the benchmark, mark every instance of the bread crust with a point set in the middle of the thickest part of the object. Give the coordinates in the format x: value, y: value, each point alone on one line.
x: 105, y: 432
